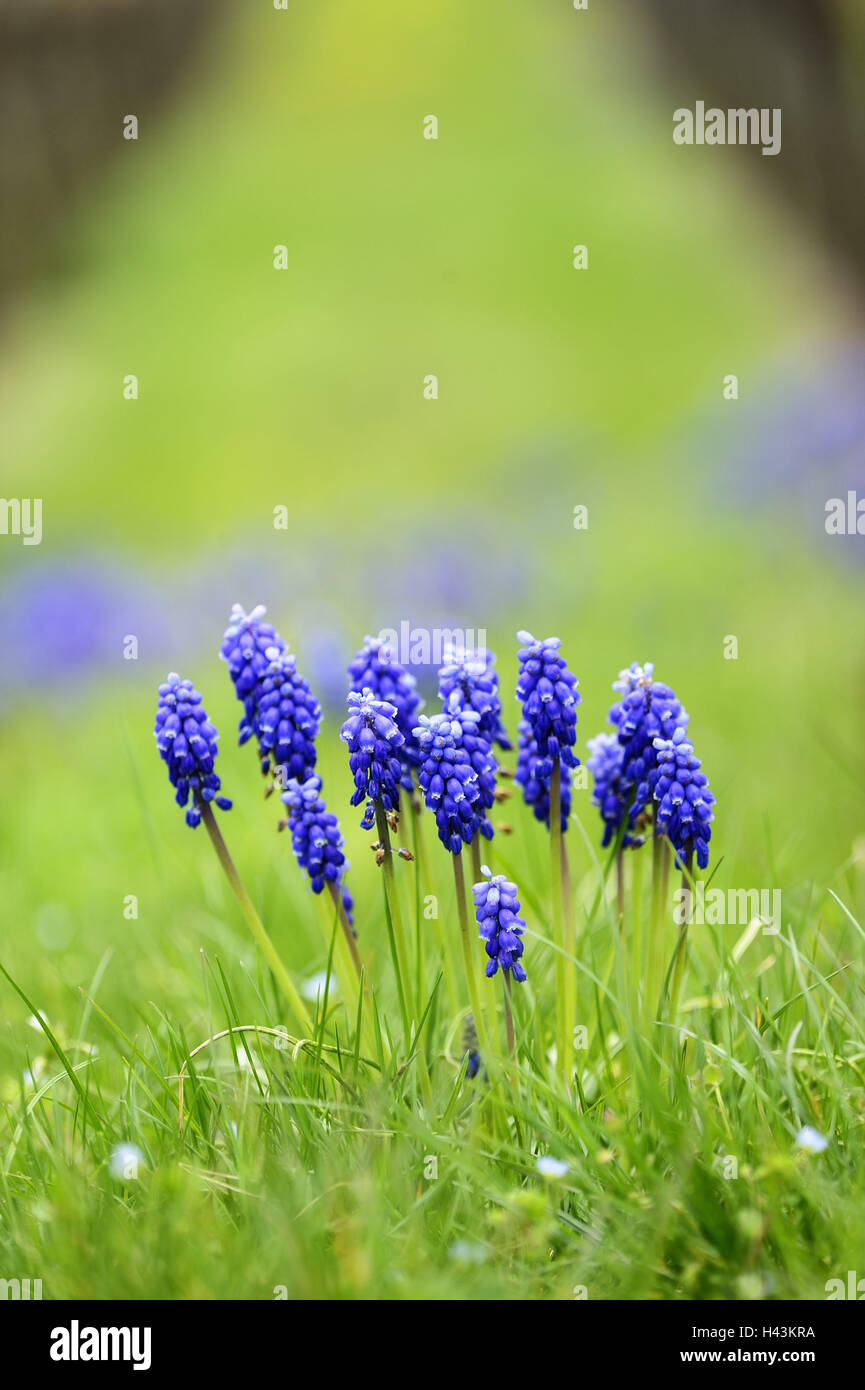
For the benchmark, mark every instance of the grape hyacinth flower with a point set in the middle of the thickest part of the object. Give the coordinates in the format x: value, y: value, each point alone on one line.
x: 648, y: 710
x: 449, y: 781
x: 316, y: 838
x: 469, y: 680
x: 483, y: 761
x: 497, y: 910
x: 279, y: 709
x: 373, y: 739
x: 684, y: 801
x: 245, y: 647
x: 288, y: 718
x: 374, y: 668
x: 609, y: 795
x: 187, y: 743
x: 452, y: 792
x: 536, y: 789
x: 549, y: 695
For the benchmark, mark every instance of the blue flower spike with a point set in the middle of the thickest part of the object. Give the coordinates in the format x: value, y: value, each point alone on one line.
x: 279, y: 709
x: 683, y: 799
x: 469, y: 680
x: 374, y: 741
x: 606, y: 757
x: 316, y: 838
x: 548, y: 730
x: 497, y: 910
x: 536, y: 787
x: 375, y: 668
x: 448, y: 779
x: 187, y: 743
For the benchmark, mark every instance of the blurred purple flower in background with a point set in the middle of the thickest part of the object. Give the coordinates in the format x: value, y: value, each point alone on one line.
x: 794, y: 442
x: 63, y: 620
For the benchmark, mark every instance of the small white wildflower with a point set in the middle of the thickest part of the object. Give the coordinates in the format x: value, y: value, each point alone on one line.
x: 466, y: 1253
x: 550, y: 1167
x: 126, y: 1160
x: 811, y: 1140
x: 313, y: 988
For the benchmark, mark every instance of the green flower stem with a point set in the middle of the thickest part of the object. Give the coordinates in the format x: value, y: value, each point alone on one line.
x: 571, y: 949
x: 476, y: 861
x: 653, y: 1001
x: 394, y: 921
x: 509, y: 1017
x: 419, y: 951
x: 468, y: 956
x: 349, y: 967
x: 350, y: 939
x: 564, y: 1039
x: 254, y: 922
x: 637, y: 967
x: 682, y: 942
x: 423, y: 880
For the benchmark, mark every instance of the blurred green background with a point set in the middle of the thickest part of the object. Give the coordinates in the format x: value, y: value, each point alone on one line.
x: 304, y: 387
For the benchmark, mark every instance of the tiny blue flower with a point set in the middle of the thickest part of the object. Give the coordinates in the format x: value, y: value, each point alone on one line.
x: 374, y: 742
x: 470, y: 1048
x: 811, y: 1140
x: 187, y: 743
x: 448, y: 780
x: 497, y: 911
x: 315, y: 836
x: 550, y: 1167
x: 469, y: 680
x: 682, y: 796
x: 374, y: 668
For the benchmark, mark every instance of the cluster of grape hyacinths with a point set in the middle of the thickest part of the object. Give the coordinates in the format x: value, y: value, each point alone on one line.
x: 448, y: 780
x: 549, y: 695
x: 610, y: 795
x: 375, y: 669
x: 647, y: 710
x: 646, y: 778
x: 683, y: 799
x: 497, y: 909
x: 536, y: 788
x: 316, y: 838
x: 187, y: 740
x: 279, y: 709
x: 469, y: 680
x: 373, y: 740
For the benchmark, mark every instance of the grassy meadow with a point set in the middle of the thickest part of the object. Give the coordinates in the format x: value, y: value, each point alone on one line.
x: 333, y: 1169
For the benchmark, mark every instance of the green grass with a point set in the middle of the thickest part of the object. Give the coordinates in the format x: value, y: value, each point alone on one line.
x: 558, y: 388
x: 313, y: 1171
